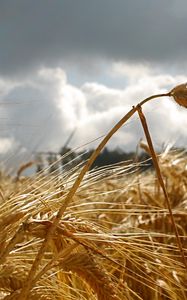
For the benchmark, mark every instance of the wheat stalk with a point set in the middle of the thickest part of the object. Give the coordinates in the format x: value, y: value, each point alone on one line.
x: 160, y: 178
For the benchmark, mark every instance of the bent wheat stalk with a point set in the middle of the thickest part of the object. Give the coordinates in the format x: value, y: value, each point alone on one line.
x: 180, y: 95
x: 160, y: 178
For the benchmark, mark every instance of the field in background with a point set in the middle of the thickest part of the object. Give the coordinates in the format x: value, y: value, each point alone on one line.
x: 115, y: 240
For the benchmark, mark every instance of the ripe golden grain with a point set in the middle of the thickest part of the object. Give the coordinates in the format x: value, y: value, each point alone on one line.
x: 10, y: 219
x: 38, y: 294
x: 179, y: 93
x: 85, y: 266
x: 12, y: 277
x: 136, y: 233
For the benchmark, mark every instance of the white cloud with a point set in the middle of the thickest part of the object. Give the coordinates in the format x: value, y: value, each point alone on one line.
x: 50, y: 108
x: 5, y: 145
x: 47, y: 111
x: 133, y: 71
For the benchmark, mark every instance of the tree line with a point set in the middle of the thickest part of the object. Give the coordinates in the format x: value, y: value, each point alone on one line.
x: 69, y: 158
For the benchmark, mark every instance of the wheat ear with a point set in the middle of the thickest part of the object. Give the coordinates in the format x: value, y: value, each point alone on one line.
x: 90, y: 270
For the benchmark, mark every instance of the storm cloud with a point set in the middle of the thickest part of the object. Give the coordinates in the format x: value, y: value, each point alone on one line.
x: 61, y: 32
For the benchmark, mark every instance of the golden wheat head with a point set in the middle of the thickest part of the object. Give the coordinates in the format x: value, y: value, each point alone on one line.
x: 179, y: 93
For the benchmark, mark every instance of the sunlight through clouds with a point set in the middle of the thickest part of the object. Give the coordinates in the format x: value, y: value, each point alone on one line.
x: 50, y: 108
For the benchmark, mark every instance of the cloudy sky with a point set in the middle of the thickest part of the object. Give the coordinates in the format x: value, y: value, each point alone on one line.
x: 80, y: 64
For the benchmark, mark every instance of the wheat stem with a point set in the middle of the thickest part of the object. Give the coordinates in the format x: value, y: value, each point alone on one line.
x: 160, y: 178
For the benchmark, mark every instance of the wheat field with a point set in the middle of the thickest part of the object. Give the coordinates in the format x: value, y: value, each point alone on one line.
x: 113, y: 233
x: 114, y: 241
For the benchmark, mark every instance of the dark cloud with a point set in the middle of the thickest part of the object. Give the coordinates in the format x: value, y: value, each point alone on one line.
x: 45, y: 32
